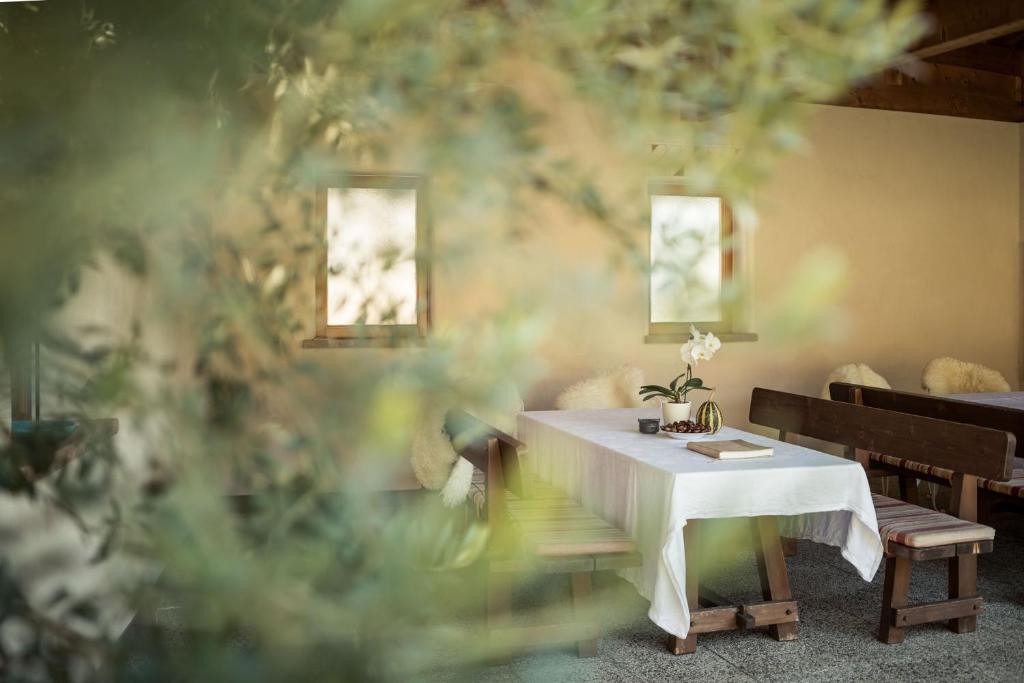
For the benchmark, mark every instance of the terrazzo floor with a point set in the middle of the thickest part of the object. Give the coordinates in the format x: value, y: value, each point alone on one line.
x: 838, y: 620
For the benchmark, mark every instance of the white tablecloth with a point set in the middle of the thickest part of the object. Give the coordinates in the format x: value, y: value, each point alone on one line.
x: 650, y: 485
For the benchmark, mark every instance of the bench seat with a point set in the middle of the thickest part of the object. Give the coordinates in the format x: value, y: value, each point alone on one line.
x: 933, y: 434
x: 1013, y: 487
x: 551, y: 524
x: 538, y: 529
x: 555, y: 533
x: 917, y: 527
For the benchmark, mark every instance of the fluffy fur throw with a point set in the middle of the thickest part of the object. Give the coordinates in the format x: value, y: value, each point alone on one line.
x: 952, y: 376
x: 432, y: 454
x: 855, y: 373
x: 618, y: 388
x: 459, y: 482
x: 436, y: 464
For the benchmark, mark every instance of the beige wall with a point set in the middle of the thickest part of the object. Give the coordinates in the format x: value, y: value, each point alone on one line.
x: 925, y: 211
x: 1020, y: 249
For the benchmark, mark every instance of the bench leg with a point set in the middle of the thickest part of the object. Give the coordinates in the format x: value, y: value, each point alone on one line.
x: 499, y: 607
x: 986, y: 507
x: 499, y: 598
x: 771, y: 567
x: 789, y: 547
x: 581, y: 592
x: 963, y: 569
x: 908, y: 488
x: 963, y: 498
x: 963, y: 583
x: 897, y: 588
x: 691, y: 545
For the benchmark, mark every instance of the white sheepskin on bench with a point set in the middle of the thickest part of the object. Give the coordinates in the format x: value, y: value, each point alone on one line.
x: 952, y: 376
x: 855, y: 373
x: 436, y: 464
x: 618, y: 388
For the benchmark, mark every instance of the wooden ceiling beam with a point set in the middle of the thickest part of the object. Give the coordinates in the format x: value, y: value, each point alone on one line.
x: 998, y: 59
x: 962, y: 23
x: 943, y: 90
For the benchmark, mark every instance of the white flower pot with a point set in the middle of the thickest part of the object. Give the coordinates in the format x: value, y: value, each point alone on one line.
x: 675, y: 412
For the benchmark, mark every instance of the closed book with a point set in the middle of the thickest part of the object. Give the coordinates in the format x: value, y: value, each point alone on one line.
x: 736, y: 449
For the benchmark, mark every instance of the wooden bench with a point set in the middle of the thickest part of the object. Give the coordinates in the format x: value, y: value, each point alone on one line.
x: 909, y: 533
x: 1006, y: 485
x: 535, y: 527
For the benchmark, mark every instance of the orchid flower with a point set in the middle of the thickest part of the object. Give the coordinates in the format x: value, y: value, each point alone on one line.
x: 699, y: 347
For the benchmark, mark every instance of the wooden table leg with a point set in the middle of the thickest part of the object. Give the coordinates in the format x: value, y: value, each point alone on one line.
x: 771, y: 566
x: 691, y: 546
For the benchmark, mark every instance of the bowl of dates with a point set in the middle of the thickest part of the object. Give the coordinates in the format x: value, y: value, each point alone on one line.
x: 685, y: 429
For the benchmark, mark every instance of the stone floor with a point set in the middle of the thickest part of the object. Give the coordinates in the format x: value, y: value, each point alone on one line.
x: 838, y: 619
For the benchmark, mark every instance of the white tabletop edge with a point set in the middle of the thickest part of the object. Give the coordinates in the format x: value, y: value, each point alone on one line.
x: 820, y: 458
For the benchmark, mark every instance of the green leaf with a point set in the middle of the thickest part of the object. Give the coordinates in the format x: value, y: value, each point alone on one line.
x: 672, y: 386
x: 694, y: 383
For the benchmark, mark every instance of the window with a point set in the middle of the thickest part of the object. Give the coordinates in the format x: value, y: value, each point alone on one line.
x: 373, y: 285
x: 694, y: 277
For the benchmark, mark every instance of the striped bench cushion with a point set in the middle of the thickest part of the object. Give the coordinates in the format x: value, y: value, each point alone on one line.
x: 1014, y: 486
x: 918, y: 527
x: 1011, y: 487
x: 913, y: 466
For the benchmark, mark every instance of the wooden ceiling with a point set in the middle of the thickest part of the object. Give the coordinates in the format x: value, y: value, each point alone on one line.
x: 970, y: 64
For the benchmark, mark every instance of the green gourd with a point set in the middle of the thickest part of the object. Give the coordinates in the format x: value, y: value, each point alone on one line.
x: 710, y: 415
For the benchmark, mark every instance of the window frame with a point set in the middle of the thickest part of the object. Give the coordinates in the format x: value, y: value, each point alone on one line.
x: 377, y: 334
x: 726, y: 328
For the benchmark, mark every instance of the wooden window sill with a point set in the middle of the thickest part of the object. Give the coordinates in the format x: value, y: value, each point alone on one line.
x: 681, y: 337
x: 385, y: 342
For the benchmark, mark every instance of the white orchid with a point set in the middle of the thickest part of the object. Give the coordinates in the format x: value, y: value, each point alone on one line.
x: 686, y: 352
x: 699, y: 347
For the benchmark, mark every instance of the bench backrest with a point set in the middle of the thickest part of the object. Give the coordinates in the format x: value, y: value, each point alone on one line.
x: 492, y: 451
x: 942, y: 408
x: 963, y: 448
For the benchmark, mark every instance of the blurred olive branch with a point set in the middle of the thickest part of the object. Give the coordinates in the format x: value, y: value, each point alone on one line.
x: 167, y: 151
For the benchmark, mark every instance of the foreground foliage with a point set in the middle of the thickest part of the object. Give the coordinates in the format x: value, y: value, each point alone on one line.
x: 161, y: 154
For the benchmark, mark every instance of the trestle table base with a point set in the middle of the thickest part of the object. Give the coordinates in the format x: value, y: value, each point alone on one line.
x: 778, y: 611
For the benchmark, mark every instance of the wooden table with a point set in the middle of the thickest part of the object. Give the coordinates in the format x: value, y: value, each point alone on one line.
x: 660, y: 493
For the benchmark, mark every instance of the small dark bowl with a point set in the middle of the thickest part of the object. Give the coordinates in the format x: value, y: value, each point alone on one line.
x: 649, y: 425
